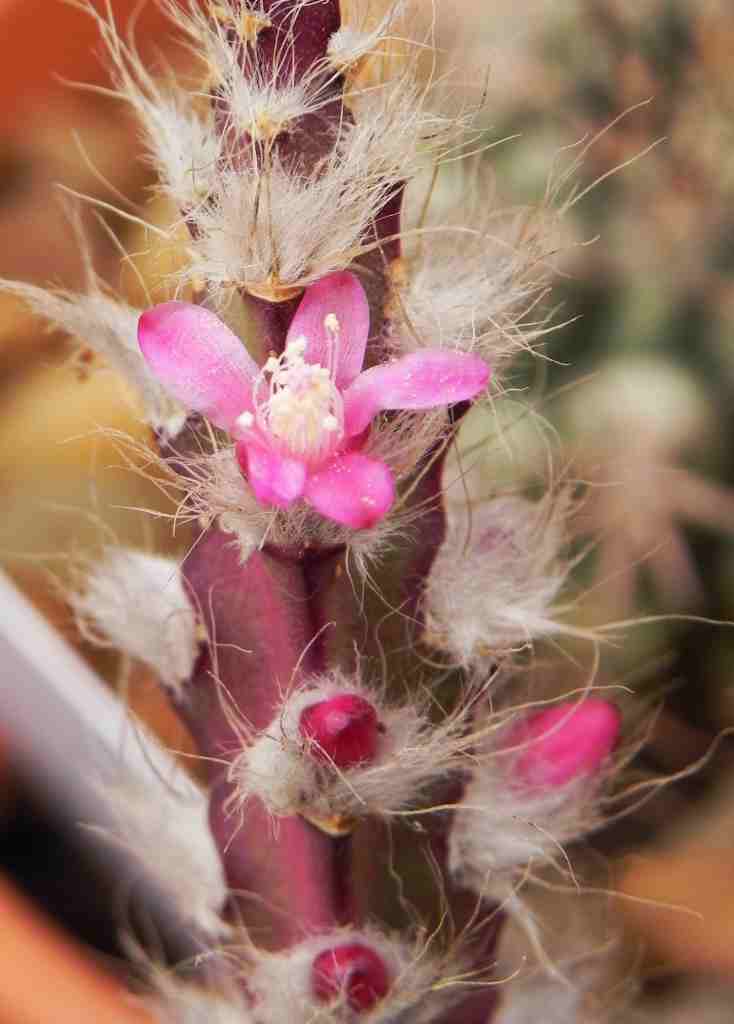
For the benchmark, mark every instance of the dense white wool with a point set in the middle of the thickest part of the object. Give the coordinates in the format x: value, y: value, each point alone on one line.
x: 279, y: 229
x: 412, y: 754
x: 498, y: 831
x: 137, y: 603
x: 473, y: 275
x: 496, y: 577
x: 108, y: 327
x: 164, y: 822
x: 281, y: 982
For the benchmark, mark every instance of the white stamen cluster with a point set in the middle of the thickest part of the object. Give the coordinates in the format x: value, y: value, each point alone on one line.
x: 303, y: 409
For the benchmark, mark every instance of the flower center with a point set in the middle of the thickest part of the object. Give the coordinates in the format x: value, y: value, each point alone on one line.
x: 298, y: 404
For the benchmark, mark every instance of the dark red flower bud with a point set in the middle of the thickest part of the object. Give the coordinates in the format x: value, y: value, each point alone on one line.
x: 352, y: 972
x: 342, y: 729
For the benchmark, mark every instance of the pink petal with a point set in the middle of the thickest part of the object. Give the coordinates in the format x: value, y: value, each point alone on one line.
x: 343, y: 296
x: 275, y: 479
x: 421, y: 380
x: 564, y: 743
x: 351, y: 489
x: 198, y: 359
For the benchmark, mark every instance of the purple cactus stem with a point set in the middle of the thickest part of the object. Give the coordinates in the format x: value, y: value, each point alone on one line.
x: 258, y: 623
x: 289, y: 880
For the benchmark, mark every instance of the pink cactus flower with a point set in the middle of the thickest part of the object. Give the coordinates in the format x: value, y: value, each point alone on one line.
x: 564, y: 743
x: 300, y: 420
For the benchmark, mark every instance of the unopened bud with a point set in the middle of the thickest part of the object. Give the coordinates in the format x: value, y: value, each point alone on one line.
x: 565, y: 742
x: 352, y: 972
x: 343, y: 729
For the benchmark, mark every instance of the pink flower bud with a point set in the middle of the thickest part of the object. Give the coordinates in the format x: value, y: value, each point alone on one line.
x: 564, y: 742
x: 352, y: 971
x: 343, y: 729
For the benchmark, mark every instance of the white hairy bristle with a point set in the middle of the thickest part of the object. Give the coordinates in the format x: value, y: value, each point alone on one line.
x: 261, y: 104
x: 278, y: 228
x: 108, y: 327
x: 137, y: 603
x: 498, y: 831
x: 365, y: 32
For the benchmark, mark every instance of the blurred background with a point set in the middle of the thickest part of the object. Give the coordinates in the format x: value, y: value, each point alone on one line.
x: 638, y: 389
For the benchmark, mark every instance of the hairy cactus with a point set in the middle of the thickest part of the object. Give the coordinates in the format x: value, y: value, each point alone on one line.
x: 347, y: 639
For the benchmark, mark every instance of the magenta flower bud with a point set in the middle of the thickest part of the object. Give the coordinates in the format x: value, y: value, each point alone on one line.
x: 564, y: 743
x: 343, y: 729
x: 352, y: 971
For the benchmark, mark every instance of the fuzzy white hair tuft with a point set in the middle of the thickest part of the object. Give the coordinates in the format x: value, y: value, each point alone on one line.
x: 494, y: 584
x: 137, y: 603
x: 164, y: 824
x: 473, y: 275
x: 108, y: 327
